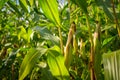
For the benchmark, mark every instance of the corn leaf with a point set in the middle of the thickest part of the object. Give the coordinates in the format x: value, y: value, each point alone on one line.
x: 29, y: 61
x: 50, y: 9
x: 12, y: 5
x: 2, y: 3
x: 111, y: 63
x: 56, y: 63
x: 82, y: 4
x: 107, y: 41
x: 27, y: 35
x: 105, y: 8
x: 24, y: 5
x: 97, y: 53
x: 31, y: 2
x: 47, y: 35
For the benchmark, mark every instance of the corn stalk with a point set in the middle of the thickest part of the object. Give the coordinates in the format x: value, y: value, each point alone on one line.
x: 115, y: 17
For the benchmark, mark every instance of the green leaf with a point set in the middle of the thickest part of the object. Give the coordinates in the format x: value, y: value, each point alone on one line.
x: 12, y: 56
x: 25, y: 35
x: 106, y: 41
x: 47, y: 35
x: 82, y: 4
x: 105, y: 8
x: 2, y: 3
x: 12, y: 5
x: 50, y: 9
x: 22, y: 33
x: 46, y: 74
x: 75, y: 12
x: 24, y: 5
x: 56, y: 63
x: 29, y: 35
x: 31, y: 2
x: 29, y: 61
x: 97, y: 52
x: 111, y: 63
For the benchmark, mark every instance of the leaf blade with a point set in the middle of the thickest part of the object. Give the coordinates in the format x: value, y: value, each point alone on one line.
x: 105, y: 8
x: 24, y: 5
x: 56, y: 63
x: 2, y: 3
x: 111, y: 62
x: 29, y: 62
x: 14, y: 7
x: 50, y: 10
x: 82, y: 4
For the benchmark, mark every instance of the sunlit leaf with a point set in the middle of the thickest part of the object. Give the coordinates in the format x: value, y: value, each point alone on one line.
x: 111, y: 62
x: 2, y: 3
x: 27, y: 35
x: 22, y: 33
x: 50, y: 9
x: 56, y: 63
x: 106, y: 41
x: 29, y: 61
x: 31, y: 2
x: 75, y: 12
x: 64, y: 9
x: 24, y: 5
x: 23, y: 29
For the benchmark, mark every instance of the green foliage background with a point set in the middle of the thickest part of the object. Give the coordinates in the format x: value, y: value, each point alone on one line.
x: 34, y: 33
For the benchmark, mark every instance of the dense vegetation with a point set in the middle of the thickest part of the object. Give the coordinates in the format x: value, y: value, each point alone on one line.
x: 59, y: 39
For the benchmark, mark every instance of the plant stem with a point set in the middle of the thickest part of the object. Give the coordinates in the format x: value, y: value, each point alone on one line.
x: 92, y: 75
x: 115, y: 17
x: 61, y: 40
x: 59, y: 29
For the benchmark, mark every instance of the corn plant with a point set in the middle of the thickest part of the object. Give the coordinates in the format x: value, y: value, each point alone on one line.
x: 59, y: 39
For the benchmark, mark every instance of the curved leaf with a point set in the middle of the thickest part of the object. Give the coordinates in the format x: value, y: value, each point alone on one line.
x: 31, y: 2
x: 106, y: 41
x: 111, y: 62
x: 105, y: 8
x: 47, y: 35
x: 56, y: 63
x: 50, y: 9
x: 29, y: 61
x: 24, y: 5
x: 14, y: 7
x: 82, y: 4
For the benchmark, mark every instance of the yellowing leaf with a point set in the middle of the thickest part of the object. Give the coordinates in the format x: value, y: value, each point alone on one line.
x: 31, y: 2
x: 29, y: 35
x: 25, y: 35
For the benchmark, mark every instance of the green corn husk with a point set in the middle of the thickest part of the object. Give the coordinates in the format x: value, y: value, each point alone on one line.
x: 69, y: 47
x: 111, y: 63
x: 97, y: 53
